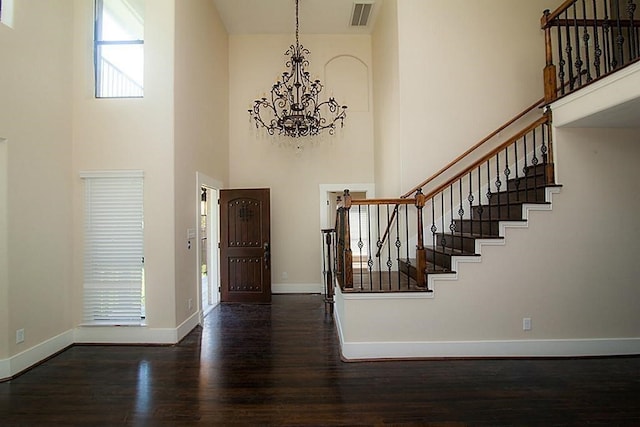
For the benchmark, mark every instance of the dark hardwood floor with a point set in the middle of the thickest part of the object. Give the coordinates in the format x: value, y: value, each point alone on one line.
x: 279, y: 364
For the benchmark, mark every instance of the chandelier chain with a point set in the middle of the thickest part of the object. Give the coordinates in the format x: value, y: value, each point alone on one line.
x: 297, y: 25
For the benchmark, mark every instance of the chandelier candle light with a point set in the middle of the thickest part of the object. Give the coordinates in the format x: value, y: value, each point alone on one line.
x: 294, y: 109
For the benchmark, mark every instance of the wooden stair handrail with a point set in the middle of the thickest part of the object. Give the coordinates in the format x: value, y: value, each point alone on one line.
x: 540, y: 121
x: 363, y: 202
x: 538, y: 103
x: 550, y: 16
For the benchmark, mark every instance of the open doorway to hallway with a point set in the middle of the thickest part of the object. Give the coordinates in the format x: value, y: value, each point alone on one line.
x: 208, y: 252
x: 328, y: 203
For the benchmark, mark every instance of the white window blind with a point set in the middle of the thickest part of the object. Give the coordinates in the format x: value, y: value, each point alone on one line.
x: 113, y: 248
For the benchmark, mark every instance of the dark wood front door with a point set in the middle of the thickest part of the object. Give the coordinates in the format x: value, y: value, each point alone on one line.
x: 245, y: 246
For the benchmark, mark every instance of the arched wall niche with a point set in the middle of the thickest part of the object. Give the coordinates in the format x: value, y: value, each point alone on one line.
x: 347, y: 77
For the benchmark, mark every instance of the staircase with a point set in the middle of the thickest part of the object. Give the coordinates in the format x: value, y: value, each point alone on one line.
x: 484, y: 223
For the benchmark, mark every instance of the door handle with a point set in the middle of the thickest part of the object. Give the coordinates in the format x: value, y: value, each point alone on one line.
x: 267, y: 255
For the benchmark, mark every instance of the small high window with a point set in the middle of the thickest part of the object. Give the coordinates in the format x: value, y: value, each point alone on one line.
x: 119, y: 48
x: 6, y: 12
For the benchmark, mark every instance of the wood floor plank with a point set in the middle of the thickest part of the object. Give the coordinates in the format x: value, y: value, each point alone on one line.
x: 279, y: 364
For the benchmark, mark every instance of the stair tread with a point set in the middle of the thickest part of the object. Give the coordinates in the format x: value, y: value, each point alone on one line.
x: 449, y: 251
x: 469, y: 236
x: 515, y: 203
x: 489, y: 220
x: 431, y: 268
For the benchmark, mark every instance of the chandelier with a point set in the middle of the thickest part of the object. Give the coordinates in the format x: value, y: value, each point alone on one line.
x: 294, y: 108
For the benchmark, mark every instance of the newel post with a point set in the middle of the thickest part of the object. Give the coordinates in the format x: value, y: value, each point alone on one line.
x: 421, y: 254
x: 348, y: 256
x: 550, y: 80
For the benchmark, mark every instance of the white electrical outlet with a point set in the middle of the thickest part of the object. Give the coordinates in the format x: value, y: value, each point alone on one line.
x: 19, y: 336
x: 526, y: 323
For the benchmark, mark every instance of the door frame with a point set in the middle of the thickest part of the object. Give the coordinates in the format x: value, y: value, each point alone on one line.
x: 203, y: 180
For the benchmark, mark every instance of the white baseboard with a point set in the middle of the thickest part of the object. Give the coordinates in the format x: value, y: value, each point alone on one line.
x: 134, y: 334
x: 95, y: 335
x: 187, y: 326
x: 296, y: 288
x: 36, y: 354
x: 519, y: 348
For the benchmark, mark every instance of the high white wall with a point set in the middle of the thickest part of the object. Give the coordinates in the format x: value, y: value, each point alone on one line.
x: 464, y: 69
x: 131, y: 134
x: 35, y: 118
x: 4, y: 251
x: 388, y: 137
x: 294, y: 176
x: 201, y: 130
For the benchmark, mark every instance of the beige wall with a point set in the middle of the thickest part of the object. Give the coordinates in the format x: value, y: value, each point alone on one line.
x: 464, y: 69
x: 131, y: 134
x: 35, y: 117
x: 388, y: 138
x: 201, y: 130
x: 4, y: 251
x: 255, y: 62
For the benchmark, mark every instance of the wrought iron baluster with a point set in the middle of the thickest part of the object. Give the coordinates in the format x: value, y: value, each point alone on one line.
x: 443, y: 240
x: 631, y: 34
x: 480, y: 210
x: 398, y: 242
x: 389, y: 262
x: 525, y: 168
x: 561, y: 61
x: 579, y: 62
x: 607, y: 41
x: 379, y: 245
x: 517, y: 182
x: 498, y: 182
x: 452, y: 225
x: 470, y: 198
x: 434, y: 229
x: 543, y: 151
x: 406, y: 227
x: 460, y: 214
x: 569, y: 50
x: 596, y: 41
x: 360, y: 246
x: 507, y: 173
x: 489, y: 192
x: 619, y: 37
x: 586, y: 38
x: 370, y: 260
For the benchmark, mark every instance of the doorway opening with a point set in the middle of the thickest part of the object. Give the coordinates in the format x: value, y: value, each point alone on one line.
x: 328, y: 204
x: 208, y: 252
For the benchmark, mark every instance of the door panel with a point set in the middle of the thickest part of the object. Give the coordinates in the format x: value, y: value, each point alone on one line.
x: 245, y: 245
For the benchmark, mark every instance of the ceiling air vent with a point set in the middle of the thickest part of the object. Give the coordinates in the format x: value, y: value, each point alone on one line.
x: 361, y: 13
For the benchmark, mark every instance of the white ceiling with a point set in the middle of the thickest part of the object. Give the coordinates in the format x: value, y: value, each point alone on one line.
x: 278, y: 16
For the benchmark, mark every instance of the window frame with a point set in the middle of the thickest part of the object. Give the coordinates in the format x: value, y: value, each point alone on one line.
x: 98, y: 43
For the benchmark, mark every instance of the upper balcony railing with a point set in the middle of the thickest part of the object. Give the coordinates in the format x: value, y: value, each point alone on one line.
x: 586, y: 40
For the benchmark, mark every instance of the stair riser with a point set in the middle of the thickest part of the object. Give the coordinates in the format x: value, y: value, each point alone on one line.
x: 533, y: 195
x: 439, y: 259
x: 530, y: 182
x: 503, y: 212
x: 484, y: 228
x: 463, y: 243
x: 403, y: 267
